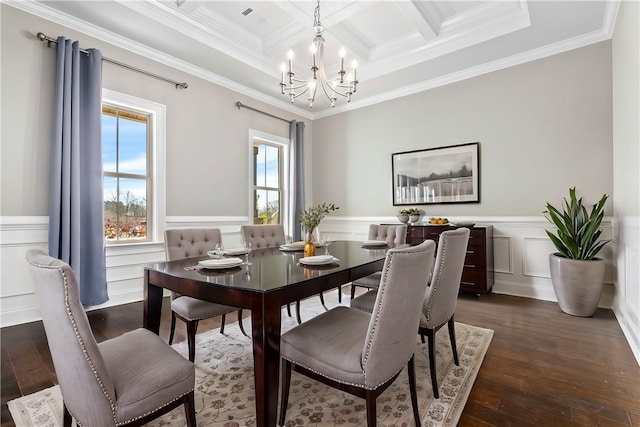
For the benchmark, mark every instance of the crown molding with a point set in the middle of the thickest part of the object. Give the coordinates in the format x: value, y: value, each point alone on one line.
x: 51, y: 14
x: 532, y: 55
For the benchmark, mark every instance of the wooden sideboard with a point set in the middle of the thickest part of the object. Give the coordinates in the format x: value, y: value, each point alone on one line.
x: 477, y: 276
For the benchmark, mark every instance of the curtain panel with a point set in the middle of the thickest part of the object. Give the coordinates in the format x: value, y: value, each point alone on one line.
x: 296, y: 185
x: 76, y: 211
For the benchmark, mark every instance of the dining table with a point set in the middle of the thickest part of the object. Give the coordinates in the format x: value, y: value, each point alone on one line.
x: 266, y: 280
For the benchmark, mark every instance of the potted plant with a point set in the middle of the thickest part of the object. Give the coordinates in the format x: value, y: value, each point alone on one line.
x: 310, y: 219
x: 409, y: 215
x: 577, y: 274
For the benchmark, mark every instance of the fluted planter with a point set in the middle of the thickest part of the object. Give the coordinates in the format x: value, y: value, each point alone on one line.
x: 577, y: 283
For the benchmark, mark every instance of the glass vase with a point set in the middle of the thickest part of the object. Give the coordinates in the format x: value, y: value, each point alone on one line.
x: 309, y: 243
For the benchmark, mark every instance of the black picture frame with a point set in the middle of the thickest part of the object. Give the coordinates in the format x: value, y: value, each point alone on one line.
x: 438, y: 175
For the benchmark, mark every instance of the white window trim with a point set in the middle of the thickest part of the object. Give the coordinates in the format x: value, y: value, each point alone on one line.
x: 285, y: 144
x: 158, y: 161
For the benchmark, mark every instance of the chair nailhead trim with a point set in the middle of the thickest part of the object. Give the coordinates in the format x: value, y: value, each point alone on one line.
x: 122, y: 423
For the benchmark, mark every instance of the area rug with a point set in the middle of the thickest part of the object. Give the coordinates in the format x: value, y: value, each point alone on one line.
x: 225, y: 390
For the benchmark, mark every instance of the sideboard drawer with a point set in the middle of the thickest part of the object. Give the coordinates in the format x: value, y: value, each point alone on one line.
x: 477, y: 275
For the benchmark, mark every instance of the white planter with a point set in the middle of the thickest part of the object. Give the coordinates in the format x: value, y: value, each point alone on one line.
x: 577, y: 284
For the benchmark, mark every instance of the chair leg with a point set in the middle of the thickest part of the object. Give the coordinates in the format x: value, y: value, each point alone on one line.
x: 284, y: 395
x: 432, y: 361
x: 190, y: 409
x: 452, y: 337
x: 240, y: 323
x: 422, y: 338
x: 67, y: 420
x: 222, y: 321
x: 192, y: 327
x: 370, y: 398
x: 411, y: 370
x: 173, y: 326
x: 322, y: 301
x: 298, y: 312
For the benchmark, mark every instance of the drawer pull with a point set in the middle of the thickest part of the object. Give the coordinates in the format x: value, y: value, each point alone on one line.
x: 468, y: 283
x: 469, y: 266
x: 471, y: 252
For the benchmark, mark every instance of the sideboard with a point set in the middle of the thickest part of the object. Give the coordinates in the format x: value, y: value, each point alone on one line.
x: 477, y: 276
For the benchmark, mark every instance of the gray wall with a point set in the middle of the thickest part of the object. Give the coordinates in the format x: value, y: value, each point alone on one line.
x: 543, y: 127
x: 207, y: 136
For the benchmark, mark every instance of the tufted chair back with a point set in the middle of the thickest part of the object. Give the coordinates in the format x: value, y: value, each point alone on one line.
x: 390, y: 233
x: 189, y: 243
x: 263, y: 236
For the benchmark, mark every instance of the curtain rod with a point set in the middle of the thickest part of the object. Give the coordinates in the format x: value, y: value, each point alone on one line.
x: 241, y: 105
x: 49, y: 40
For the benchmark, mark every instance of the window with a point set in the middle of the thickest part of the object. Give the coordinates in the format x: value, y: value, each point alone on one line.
x: 129, y: 145
x: 269, y: 166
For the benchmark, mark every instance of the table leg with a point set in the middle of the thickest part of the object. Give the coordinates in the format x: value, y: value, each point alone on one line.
x: 152, y: 305
x: 265, y: 321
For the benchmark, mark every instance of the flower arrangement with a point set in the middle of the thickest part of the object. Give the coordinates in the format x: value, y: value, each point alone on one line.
x: 311, y: 217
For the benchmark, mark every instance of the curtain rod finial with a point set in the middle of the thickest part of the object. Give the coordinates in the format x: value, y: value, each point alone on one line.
x: 238, y: 104
x: 41, y: 37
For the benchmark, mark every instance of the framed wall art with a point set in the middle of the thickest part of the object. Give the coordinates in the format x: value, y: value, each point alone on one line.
x: 437, y: 175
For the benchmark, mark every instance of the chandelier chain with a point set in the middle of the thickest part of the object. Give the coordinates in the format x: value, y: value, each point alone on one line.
x: 316, y: 16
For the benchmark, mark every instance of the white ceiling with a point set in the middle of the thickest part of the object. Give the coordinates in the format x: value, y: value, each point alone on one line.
x: 402, y: 47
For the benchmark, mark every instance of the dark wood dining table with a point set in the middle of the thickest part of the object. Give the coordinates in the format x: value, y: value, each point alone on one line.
x: 271, y: 279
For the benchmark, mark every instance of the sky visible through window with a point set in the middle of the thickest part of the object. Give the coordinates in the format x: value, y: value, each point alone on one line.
x: 132, y: 159
x: 267, y: 173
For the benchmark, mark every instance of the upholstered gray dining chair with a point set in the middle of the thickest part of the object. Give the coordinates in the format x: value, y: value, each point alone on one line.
x: 128, y: 380
x: 393, y: 234
x: 187, y: 243
x: 269, y: 236
x: 442, y: 295
x: 362, y: 353
x: 263, y: 236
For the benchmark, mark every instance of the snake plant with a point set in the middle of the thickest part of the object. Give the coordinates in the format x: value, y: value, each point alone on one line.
x: 578, y: 230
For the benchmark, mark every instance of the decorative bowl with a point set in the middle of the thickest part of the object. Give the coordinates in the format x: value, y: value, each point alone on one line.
x: 403, y: 218
x: 414, y: 218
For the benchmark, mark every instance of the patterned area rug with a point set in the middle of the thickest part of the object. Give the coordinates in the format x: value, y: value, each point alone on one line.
x: 225, y: 396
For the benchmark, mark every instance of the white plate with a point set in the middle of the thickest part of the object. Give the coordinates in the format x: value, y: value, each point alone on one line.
x: 374, y: 243
x: 319, y: 260
x: 221, y: 263
x: 236, y: 251
x: 463, y: 224
x: 292, y: 247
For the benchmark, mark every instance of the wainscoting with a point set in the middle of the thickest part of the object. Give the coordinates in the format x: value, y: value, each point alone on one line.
x: 521, y: 250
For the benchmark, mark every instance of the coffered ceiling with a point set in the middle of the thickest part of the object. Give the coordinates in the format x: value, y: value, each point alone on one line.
x: 401, y: 47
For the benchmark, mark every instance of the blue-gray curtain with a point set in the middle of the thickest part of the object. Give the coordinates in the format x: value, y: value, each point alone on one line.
x: 296, y: 202
x: 76, y: 211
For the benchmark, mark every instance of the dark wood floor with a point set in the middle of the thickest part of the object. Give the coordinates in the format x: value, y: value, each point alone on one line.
x: 543, y: 367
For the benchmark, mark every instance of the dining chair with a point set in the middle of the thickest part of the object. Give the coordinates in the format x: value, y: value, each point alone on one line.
x: 439, y: 305
x: 361, y: 353
x: 393, y: 234
x: 269, y: 236
x: 187, y: 243
x: 128, y: 380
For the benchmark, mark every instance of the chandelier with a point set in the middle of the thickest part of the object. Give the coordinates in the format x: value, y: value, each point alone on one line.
x: 332, y: 88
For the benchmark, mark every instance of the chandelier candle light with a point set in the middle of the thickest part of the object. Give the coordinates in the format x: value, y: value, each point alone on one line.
x: 331, y: 87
